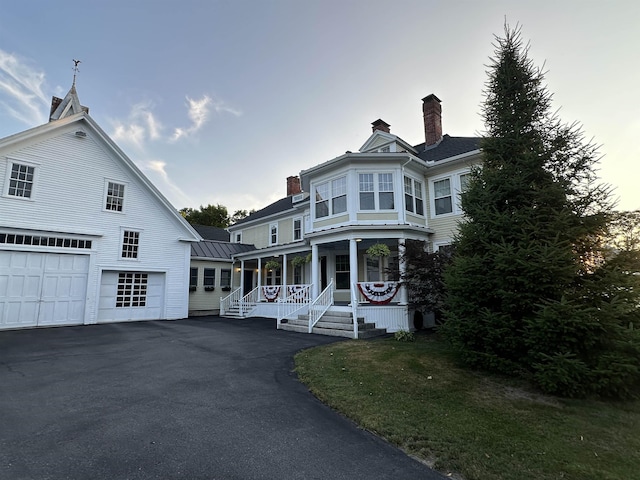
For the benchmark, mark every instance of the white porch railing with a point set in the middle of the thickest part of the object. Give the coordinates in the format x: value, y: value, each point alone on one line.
x: 249, y: 300
x: 230, y: 300
x: 320, y: 305
x: 297, y: 299
x: 354, y: 309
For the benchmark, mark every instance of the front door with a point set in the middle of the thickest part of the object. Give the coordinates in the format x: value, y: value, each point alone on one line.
x: 323, y: 273
x: 248, y: 281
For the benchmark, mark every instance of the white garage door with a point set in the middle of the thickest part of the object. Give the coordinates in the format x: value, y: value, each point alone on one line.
x: 131, y: 296
x: 39, y: 289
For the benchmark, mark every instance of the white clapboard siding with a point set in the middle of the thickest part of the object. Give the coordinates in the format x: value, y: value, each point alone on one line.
x: 69, y: 195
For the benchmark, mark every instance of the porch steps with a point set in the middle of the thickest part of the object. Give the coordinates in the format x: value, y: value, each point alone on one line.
x: 335, y: 324
x: 234, y: 311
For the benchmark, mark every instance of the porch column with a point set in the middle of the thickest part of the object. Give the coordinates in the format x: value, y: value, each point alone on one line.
x: 314, y: 271
x: 259, y: 278
x: 353, y: 265
x: 242, y: 277
x: 284, y: 275
x: 402, y: 266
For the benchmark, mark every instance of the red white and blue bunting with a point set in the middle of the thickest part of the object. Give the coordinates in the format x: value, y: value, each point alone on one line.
x: 298, y: 293
x: 271, y: 292
x: 379, y: 293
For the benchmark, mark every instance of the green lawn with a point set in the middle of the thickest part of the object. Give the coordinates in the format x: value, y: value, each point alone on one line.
x: 472, y: 425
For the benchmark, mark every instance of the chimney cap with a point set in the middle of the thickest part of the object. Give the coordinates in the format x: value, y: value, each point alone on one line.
x: 379, y: 123
x: 430, y: 97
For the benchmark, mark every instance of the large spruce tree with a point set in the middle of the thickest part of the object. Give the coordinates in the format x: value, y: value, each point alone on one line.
x: 528, y: 291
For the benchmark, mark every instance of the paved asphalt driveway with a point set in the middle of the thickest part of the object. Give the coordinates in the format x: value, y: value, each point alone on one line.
x: 190, y: 399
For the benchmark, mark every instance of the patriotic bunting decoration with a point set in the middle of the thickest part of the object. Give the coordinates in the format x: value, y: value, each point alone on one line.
x: 297, y: 292
x: 379, y: 293
x: 271, y: 292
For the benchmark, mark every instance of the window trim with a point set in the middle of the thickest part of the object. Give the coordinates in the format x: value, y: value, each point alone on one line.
x: 377, y: 192
x: 222, y: 275
x: 7, y: 178
x: 301, y: 229
x: 105, y: 196
x: 329, y: 183
x: 123, y: 232
x: 415, y: 194
x: 342, y: 272
x: 455, y: 190
x: 272, y: 233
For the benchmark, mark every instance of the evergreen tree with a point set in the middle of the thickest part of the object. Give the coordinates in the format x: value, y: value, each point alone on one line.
x: 527, y: 289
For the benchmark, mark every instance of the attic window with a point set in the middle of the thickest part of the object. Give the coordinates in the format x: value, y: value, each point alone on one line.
x: 21, y: 180
x: 115, y: 197
x: 385, y: 149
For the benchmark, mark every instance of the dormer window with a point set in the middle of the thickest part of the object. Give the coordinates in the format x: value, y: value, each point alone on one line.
x: 385, y: 149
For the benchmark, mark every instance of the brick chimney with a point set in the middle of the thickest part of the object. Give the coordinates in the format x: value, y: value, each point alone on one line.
x: 432, y: 112
x: 293, y: 185
x: 381, y: 125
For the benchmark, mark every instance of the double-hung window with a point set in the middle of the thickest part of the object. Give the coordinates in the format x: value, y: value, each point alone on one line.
x: 225, y: 279
x: 209, y: 279
x: 413, y: 200
x: 442, y: 198
x: 130, y: 244
x: 193, y: 278
x: 331, y: 197
x: 297, y: 229
x: 376, y: 191
x: 21, y: 180
x: 342, y: 272
x: 273, y: 234
x: 367, y: 192
x: 115, y: 197
x: 385, y: 191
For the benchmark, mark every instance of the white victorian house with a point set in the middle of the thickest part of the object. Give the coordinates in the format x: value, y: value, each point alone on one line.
x: 85, y: 237
x: 314, y: 269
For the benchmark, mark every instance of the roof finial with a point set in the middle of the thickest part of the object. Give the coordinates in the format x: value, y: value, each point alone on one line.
x: 75, y: 70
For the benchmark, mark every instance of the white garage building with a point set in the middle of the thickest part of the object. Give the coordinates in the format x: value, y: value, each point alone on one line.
x: 85, y: 237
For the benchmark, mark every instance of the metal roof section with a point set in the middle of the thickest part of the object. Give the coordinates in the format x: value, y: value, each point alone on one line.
x: 217, y: 250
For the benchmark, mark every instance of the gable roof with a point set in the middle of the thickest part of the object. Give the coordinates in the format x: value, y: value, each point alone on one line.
x: 218, y: 250
x: 278, y: 206
x: 448, y: 147
x: 67, y: 106
x: 212, y: 233
x: 84, y: 121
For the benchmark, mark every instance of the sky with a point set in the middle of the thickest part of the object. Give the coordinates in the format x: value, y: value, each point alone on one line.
x: 218, y: 102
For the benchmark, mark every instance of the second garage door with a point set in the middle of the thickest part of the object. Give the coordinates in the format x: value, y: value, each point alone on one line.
x: 131, y: 296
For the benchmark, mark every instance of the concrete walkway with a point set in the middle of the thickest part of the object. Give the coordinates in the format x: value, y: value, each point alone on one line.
x: 190, y: 399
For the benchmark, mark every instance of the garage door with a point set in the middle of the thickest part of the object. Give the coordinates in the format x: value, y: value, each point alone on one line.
x: 131, y: 296
x: 39, y: 289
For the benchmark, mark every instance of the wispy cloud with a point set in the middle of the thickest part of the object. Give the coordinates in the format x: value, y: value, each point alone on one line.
x: 199, y: 112
x: 159, y: 168
x: 140, y: 126
x: 21, y: 86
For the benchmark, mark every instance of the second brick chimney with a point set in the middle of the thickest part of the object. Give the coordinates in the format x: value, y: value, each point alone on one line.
x: 432, y: 112
x: 381, y: 125
x: 293, y: 185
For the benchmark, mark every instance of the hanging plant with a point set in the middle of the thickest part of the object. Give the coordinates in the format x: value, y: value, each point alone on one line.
x: 298, y: 261
x: 378, y: 250
x: 272, y: 265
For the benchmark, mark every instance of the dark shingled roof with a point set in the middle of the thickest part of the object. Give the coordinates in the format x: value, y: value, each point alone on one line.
x: 448, y: 147
x: 278, y: 206
x: 212, y: 233
x: 219, y: 250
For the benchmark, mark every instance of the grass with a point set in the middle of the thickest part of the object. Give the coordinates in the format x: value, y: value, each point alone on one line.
x: 468, y: 424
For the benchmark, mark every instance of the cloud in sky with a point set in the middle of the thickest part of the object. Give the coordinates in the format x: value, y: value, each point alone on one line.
x: 22, y: 87
x: 159, y: 168
x: 140, y: 126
